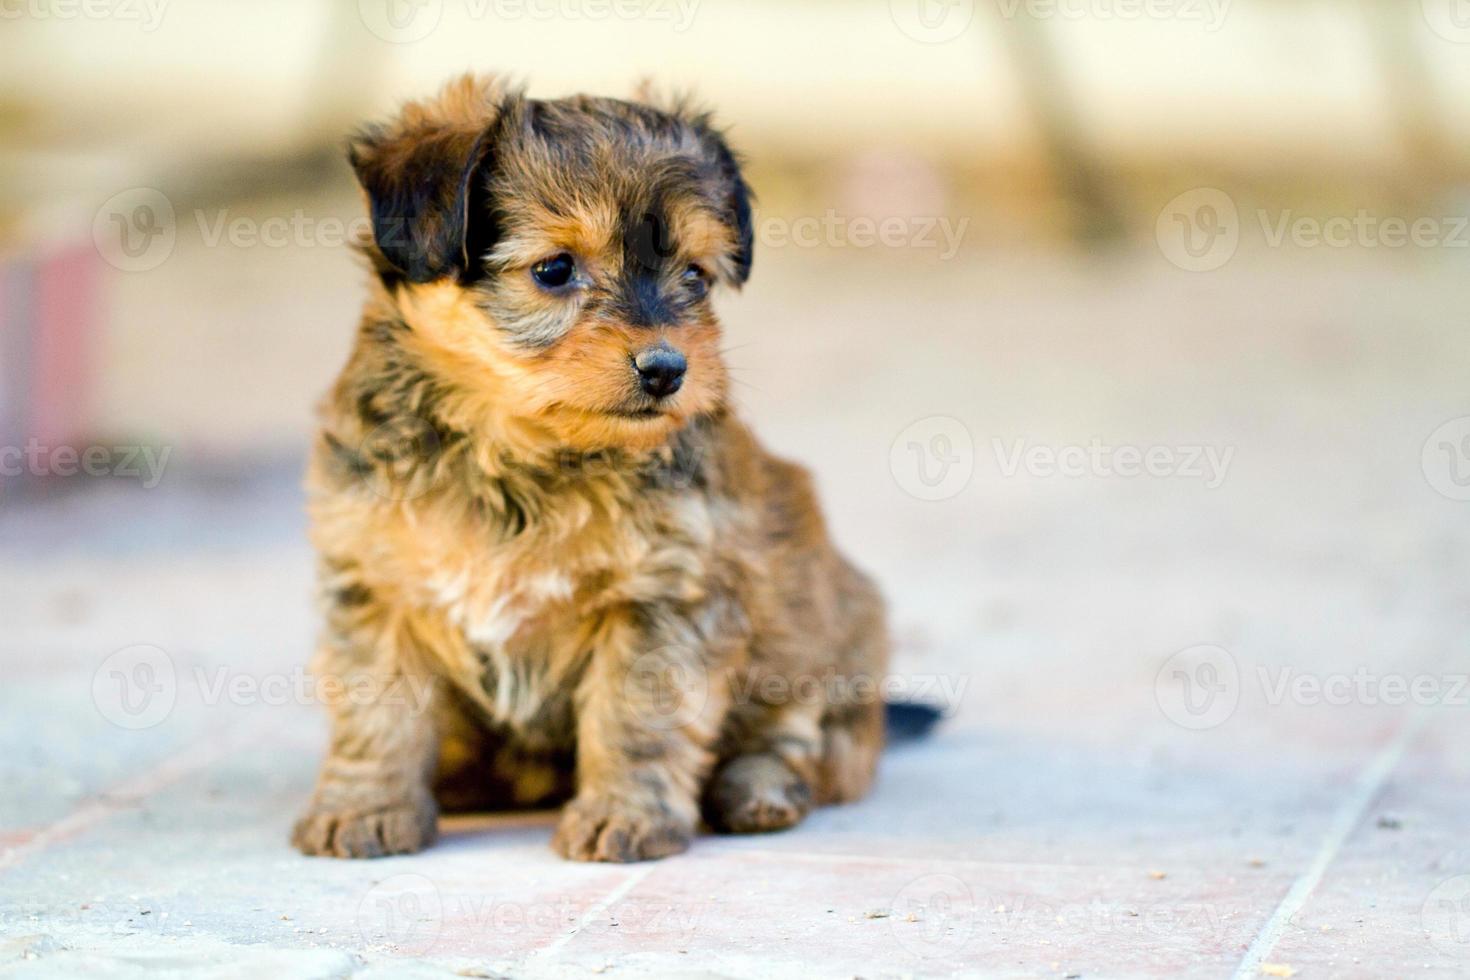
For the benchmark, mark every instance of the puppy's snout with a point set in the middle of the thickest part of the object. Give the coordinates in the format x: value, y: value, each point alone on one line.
x: 660, y: 370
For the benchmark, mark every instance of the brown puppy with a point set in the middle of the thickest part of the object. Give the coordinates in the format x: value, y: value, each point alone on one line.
x: 555, y: 566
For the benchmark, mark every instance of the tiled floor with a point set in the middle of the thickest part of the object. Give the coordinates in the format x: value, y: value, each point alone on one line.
x: 1086, y: 811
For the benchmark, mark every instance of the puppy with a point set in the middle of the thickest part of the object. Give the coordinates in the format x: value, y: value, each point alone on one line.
x: 555, y: 567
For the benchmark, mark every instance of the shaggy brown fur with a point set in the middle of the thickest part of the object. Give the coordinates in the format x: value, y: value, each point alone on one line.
x: 540, y: 583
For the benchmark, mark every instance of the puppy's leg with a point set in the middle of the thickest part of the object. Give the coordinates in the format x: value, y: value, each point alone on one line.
x: 372, y: 797
x: 764, y: 782
x: 648, y: 709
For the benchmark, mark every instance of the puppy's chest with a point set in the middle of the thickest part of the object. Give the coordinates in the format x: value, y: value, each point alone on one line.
x: 525, y: 609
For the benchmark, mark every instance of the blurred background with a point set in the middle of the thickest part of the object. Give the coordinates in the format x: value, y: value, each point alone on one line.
x: 1057, y: 130
x: 990, y: 234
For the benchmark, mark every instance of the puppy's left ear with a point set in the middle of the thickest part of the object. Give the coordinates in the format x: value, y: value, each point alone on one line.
x: 421, y: 174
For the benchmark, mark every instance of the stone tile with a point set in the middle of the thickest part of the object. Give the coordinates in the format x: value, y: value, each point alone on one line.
x: 1395, y: 900
x: 762, y: 912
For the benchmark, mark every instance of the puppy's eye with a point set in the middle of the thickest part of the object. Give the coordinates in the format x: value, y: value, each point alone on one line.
x: 696, y: 277
x: 555, y: 272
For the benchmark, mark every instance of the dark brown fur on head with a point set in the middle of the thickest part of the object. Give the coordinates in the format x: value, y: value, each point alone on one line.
x: 474, y: 188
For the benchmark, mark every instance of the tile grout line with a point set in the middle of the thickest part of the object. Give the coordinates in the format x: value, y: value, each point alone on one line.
x: 607, y: 902
x: 1349, y: 814
x: 114, y: 799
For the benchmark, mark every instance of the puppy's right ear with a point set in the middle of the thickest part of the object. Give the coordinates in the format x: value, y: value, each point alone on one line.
x: 422, y: 173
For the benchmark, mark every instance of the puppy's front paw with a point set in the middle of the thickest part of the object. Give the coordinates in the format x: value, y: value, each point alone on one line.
x: 599, y: 828
x: 396, y: 829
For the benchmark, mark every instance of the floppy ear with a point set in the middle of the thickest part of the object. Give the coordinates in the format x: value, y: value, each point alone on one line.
x: 735, y: 194
x: 734, y: 191
x: 738, y: 203
x: 420, y: 175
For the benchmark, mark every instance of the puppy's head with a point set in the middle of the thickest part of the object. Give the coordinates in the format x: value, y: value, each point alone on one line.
x: 553, y: 260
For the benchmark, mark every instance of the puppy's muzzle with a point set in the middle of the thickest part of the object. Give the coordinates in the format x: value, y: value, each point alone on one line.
x: 660, y: 370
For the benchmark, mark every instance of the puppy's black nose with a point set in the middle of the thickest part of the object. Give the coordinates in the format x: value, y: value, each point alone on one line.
x: 660, y: 370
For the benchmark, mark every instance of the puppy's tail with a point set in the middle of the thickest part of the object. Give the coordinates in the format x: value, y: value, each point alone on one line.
x: 908, y: 721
